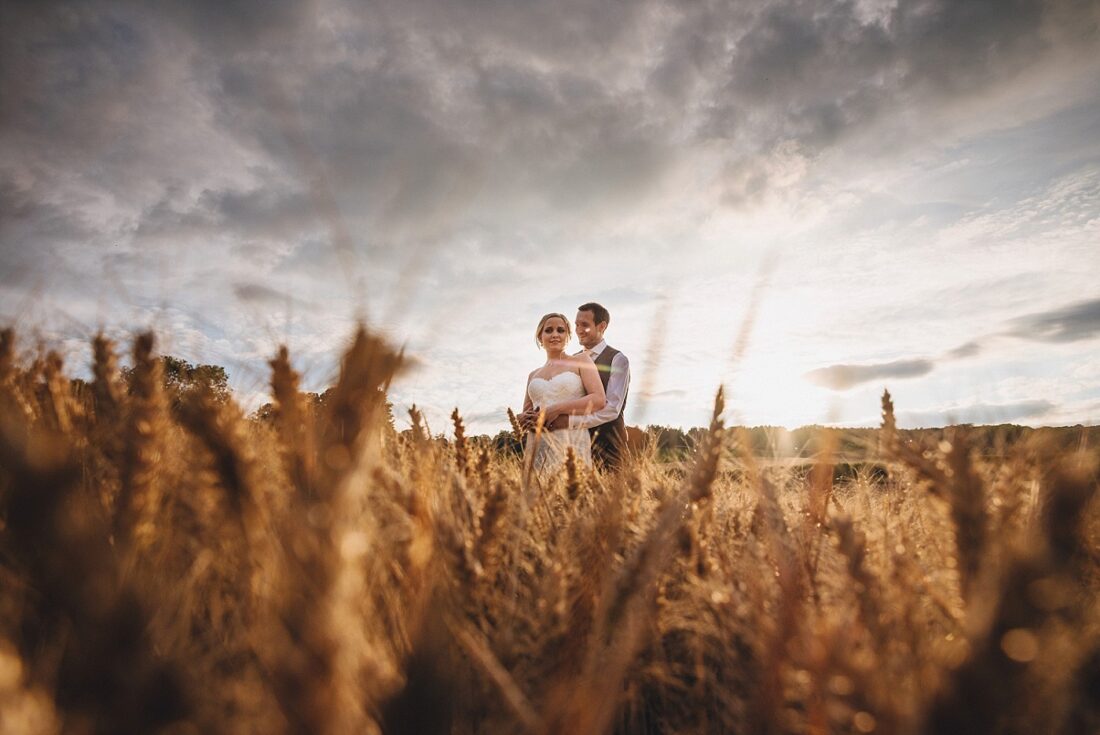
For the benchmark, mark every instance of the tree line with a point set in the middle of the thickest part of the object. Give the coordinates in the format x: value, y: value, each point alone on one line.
x: 668, y: 443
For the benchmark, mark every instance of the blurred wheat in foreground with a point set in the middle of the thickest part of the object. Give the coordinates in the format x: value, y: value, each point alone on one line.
x: 167, y: 564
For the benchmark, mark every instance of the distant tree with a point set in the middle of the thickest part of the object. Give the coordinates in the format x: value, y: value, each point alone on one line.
x: 80, y: 389
x: 181, y: 378
x: 318, y: 402
x: 321, y: 401
x: 695, y: 435
x: 671, y: 442
x: 264, y: 414
x: 506, y: 442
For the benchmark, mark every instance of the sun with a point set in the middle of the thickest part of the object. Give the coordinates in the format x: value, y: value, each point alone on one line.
x: 767, y: 385
x: 769, y: 390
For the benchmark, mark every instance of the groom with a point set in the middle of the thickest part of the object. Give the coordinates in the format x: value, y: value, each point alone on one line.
x: 606, y: 426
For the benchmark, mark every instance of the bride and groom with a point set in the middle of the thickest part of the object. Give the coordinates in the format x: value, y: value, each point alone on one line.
x: 582, y: 396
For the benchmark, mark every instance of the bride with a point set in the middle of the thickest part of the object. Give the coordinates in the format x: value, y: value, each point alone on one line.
x: 565, y: 385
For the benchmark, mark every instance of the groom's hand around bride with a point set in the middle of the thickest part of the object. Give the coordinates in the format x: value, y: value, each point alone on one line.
x: 561, y: 422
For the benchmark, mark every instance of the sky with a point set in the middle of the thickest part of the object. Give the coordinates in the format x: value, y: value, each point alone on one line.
x: 805, y: 202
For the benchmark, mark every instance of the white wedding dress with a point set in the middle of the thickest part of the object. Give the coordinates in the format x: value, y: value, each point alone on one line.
x: 549, y: 452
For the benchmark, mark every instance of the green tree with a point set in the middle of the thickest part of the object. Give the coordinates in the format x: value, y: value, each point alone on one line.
x: 506, y: 442
x: 181, y: 378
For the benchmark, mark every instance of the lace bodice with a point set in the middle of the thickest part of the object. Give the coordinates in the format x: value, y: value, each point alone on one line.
x: 547, y: 452
x: 562, y: 387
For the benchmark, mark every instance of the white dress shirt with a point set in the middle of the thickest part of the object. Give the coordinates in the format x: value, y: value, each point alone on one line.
x: 617, y: 386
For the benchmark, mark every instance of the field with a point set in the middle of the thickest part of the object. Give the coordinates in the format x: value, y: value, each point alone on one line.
x: 169, y: 564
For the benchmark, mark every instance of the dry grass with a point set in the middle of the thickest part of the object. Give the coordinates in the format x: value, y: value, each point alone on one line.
x: 174, y: 566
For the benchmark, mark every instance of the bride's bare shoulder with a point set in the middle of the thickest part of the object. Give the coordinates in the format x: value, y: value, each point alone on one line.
x: 581, y: 359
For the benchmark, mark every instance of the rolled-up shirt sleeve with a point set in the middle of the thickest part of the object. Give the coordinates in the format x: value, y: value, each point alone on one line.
x: 617, y: 386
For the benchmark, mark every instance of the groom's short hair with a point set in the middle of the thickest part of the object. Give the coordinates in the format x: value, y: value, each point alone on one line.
x: 599, y: 313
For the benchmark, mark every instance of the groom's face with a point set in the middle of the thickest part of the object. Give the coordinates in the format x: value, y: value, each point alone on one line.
x: 589, y: 333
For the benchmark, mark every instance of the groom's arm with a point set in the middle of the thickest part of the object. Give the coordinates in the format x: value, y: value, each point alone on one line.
x: 617, y: 386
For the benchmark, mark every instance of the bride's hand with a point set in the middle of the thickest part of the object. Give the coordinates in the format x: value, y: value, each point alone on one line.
x: 528, y: 418
x: 561, y: 422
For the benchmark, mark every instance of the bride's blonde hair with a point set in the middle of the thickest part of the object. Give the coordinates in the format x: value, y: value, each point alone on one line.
x: 542, y: 323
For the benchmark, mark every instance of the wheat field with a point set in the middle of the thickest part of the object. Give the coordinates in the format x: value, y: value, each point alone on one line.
x: 168, y: 564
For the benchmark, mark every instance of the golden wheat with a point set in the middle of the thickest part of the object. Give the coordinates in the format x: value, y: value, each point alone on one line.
x: 168, y: 564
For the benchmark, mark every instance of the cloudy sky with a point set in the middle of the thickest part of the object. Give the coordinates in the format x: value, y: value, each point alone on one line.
x: 805, y: 201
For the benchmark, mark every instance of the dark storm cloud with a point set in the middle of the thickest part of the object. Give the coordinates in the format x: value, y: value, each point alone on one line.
x: 818, y: 74
x: 978, y: 413
x: 26, y: 218
x: 399, y: 121
x: 1072, y: 323
x: 843, y: 377
x: 32, y: 229
x: 494, y: 415
x: 265, y: 212
x: 261, y: 294
x: 969, y: 349
x: 229, y: 25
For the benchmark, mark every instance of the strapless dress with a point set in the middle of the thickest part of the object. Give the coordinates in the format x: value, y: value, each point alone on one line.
x: 549, y: 451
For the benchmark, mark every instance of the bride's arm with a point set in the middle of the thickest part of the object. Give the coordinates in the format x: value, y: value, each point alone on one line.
x: 528, y: 404
x: 593, y: 400
x: 527, y: 416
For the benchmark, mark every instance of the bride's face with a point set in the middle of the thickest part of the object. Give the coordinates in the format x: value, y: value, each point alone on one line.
x: 554, y: 334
